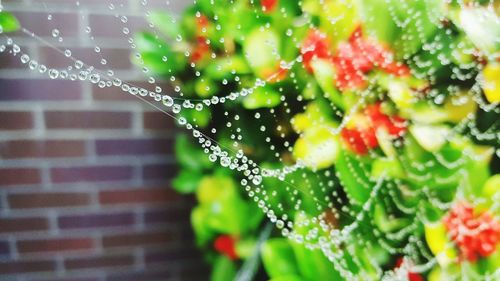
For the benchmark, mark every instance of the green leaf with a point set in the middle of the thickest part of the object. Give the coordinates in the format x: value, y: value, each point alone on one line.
x: 189, y: 155
x: 278, y: 258
x: 216, y: 188
x: 262, y: 97
x: 186, y: 181
x: 202, y: 230
x: 378, y: 20
x: 317, y: 147
x: 287, y: 278
x: 226, y: 211
x: 223, y: 270
x: 426, y: 171
x: 493, y: 262
x: 430, y: 137
x: 261, y: 49
x: 8, y: 23
x: 346, y: 19
x: 148, y: 42
x: 165, y: 23
x: 383, y: 19
x: 246, y: 248
x: 491, y: 187
x: 482, y: 26
x: 156, y: 54
x: 384, y: 223
x: 226, y: 67
x: 314, y: 265
x: 436, y: 64
x: 478, y: 170
x: 205, y: 87
x: 417, y: 30
x: 197, y: 117
x: 389, y: 167
x: 353, y: 176
x: 324, y: 72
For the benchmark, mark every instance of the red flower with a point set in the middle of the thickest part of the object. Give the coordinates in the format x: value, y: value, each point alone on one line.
x: 315, y: 45
x: 364, y: 137
x: 200, y: 50
x: 360, y: 141
x: 268, y: 5
x: 412, y: 276
x: 475, y: 235
x: 201, y: 23
x: 360, y: 55
x: 395, y: 125
x: 225, y: 245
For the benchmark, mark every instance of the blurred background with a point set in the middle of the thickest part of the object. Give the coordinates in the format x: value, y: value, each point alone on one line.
x: 85, y: 172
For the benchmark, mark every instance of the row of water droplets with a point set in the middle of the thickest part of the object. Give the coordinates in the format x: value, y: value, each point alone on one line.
x: 252, y: 181
x: 226, y: 157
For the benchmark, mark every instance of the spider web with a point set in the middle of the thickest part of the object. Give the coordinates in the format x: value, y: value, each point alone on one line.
x: 308, y: 198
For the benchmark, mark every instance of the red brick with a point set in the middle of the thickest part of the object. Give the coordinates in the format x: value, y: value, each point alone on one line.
x: 10, y: 225
x: 51, y: 4
x: 19, y: 176
x: 29, y: 90
x: 99, y: 262
x: 88, y: 119
x: 114, y: 26
x: 144, y: 275
x: 184, y: 253
x: 166, y: 215
x: 13, y: 267
x: 16, y: 120
x: 187, y: 273
x: 38, y: 23
x: 54, y: 245
x: 131, y: 196
x: 48, y: 199
x: 90, y: 174
x: 133, y: 146
x: 4, y: 249
x: 41, y: 149
x: 159, y: 171
x: 136, y: 239
x: 157, y: 120
x: 114, y: 57
x: 105, y: 220
x: 8, y: 61
x: 68, y: 278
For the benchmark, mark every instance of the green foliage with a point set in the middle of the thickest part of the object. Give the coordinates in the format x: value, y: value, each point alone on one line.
x: 351, y: 171
x: 189, y: 155
x: 8, y: 23
x: 262, y: 97
x: 278, y: 258
x: 412, y: 167
x: 224, y: 270
x: 187, y: 181
x: 165, y: 23
x: 285, y: 260
x: 156, y: 54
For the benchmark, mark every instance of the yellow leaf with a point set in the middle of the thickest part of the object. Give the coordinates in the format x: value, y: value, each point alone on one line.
x: 491, y: 87
x: 440, y: 246
x: 317, y: 148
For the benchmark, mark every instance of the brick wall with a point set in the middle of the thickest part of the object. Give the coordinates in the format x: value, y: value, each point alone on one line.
x: 84, y: 171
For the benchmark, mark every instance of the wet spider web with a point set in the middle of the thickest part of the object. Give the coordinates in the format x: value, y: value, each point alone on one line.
x: 317, y: 209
